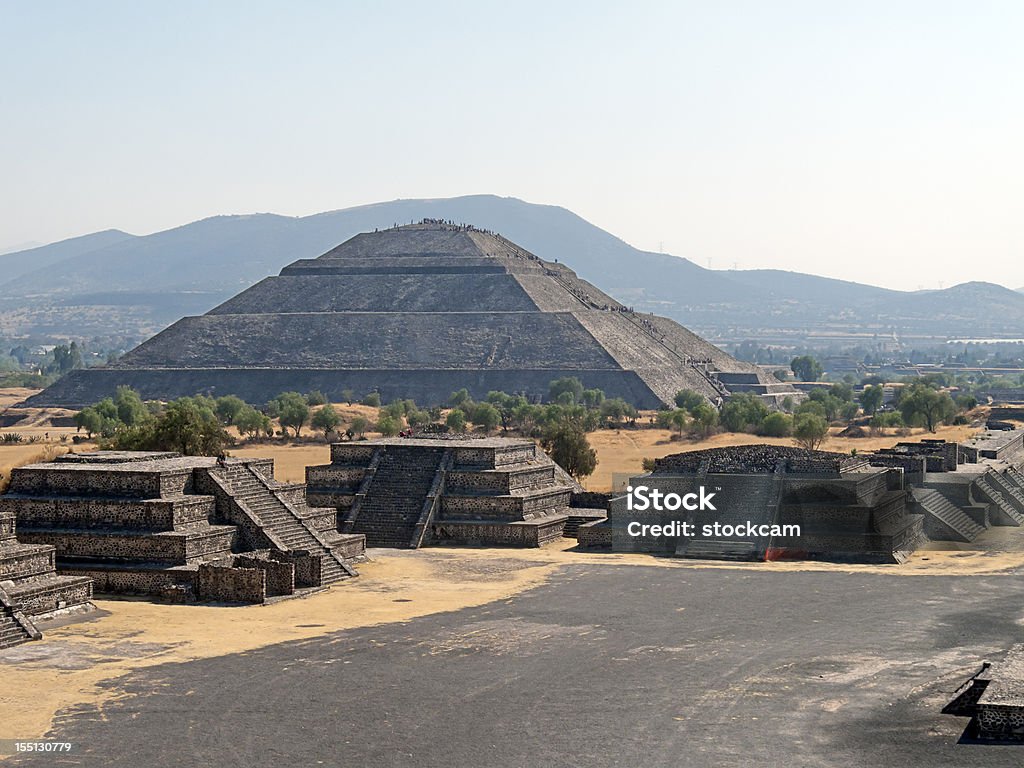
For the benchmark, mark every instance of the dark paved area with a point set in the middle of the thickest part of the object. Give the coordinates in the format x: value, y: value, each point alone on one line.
x: 603, y: 666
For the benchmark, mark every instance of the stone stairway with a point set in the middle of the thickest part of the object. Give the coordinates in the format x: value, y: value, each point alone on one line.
x: 741, y: 498
x: 1015, y: 476
x: 391, y: 509
x: 258, y: 494
x: 708, y: 549
x: 12, y: 628
x: 996, y: 496
x: 943, y: 510
x: 578, y: 517
x: 1006, y: 485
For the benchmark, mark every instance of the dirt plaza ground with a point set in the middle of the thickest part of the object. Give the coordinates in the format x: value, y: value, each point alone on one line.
x: 546, y: 657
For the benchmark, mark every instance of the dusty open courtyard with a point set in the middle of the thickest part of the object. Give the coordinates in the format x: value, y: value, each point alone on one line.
x: 548, y: 657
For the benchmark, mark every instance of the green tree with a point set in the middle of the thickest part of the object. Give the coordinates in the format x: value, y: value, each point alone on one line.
x: 459, y: 398
x: 508, y: 406
x: 228, y: 408
x: 923, y: 405
x: 871, y: 398
x: 292, y: 411
x: 187, y: 426
x: 359, y: 425
x: 569, y: 384
x: 372, y: 400
x: 250, y: 422
x: 418, y: 418
x: 388, y: 426
x: 348, y: 396
x: 566, y: 443
x: 89, y: 420
x: 325, y: 420
x: 592, y: 398
x: 679, y: 419
x: 688, y: 399
x: 705, y: 419
x: 456, y: 420
x: 66, y: 357
x: 615, y: 410
x: 743, y: 412
x: 809, y: 430
x: 831, y: 404
x: 777, y: 424
x: 130, y: 408
x: 316, y: 397
x: 806, y: 368
x: 486, y: 416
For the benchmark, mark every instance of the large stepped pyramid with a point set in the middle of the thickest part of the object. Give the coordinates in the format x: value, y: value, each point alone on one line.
x: 409, y: 492
x: 420, y: 311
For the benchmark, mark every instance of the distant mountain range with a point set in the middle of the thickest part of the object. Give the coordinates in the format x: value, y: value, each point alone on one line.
x: 112, y: 282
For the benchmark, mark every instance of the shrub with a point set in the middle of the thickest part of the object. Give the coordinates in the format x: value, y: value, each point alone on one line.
x: 388, y: 426
x: 777, y: 425
x: 809, y: 430
x: 456, y: 420
x: 566, y: 443
x: 359, y: 425
x: 372, y: 400
x: 567, y: 385
x: 325, y: 420
x: 688, y: 399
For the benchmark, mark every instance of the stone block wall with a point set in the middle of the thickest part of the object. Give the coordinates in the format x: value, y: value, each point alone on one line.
x: 231, y: 585
x: 46, y: 597
x: 280, y: 576
x: 85, y: 513
x: 520, y: 534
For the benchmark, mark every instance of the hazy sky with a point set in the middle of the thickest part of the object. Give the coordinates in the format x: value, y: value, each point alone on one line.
x: 873, y: 141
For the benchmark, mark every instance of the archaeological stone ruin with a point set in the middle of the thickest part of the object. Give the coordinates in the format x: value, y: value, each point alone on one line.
x: 846, y: 509
x: 872, y: 507
x: 180, y: 527
x: 993, y: 698
x: 30, y: 587
x: 412, y: 492
x: 420, y: 311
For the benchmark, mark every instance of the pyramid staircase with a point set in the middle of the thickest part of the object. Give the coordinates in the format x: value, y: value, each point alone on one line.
x: 581, y: 516
x: 263, y: 498
x: 15, y: 628
x: 754, y: 498
x: 390, y: 511
x: 960, y: 525
x: 1007, y: 500
x: 710, y: 549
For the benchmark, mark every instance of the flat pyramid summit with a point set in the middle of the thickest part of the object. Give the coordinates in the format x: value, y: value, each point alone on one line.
x: 420, y: 311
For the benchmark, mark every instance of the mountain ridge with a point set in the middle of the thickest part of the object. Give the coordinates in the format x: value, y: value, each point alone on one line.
x: 193, y: 267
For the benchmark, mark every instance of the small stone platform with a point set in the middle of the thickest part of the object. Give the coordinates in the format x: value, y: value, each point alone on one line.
x: 994, y: 699
x: 845, y: 509
x: 411, y: 492
x: 182, y: 527
x: 30, y: 589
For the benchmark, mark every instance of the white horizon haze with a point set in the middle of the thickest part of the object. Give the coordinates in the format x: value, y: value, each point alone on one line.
x: 876, y: 143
